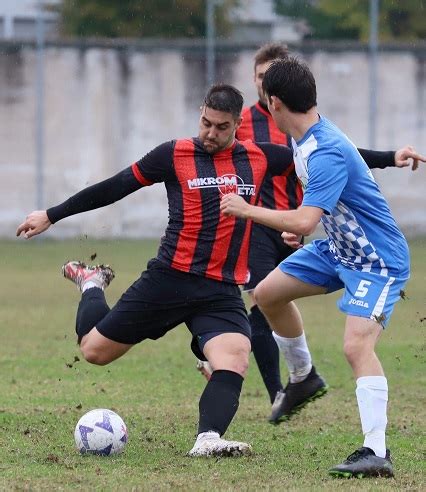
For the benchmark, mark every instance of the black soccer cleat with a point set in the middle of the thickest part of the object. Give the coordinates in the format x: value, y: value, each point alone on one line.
x: 297, y: 395
x: 364, y: 463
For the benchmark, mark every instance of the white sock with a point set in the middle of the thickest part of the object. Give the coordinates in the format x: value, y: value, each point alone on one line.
x: 297, y: 356
x: 372, y: 396
x: 89, y: 285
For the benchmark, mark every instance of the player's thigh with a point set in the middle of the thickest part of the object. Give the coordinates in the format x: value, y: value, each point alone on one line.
x: 279, y: 287
x: 314, y: 265
x: 100, y: 350
x: 218, y: 315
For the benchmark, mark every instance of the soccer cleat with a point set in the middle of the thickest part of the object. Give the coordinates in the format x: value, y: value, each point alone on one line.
x: 210, y: 444
x: 276, y: 406
x: 205, y: 368
x: 80, y: 273
x: 364, y: 463
x: 297, y: 395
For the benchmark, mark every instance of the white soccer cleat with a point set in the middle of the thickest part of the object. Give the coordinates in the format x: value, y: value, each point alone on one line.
x: 205, y: 368
x: 80, y: 273
x: 210, y: 444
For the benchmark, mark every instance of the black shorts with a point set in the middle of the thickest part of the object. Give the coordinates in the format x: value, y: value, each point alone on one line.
x: 267, y: 251
x: 162, y: 298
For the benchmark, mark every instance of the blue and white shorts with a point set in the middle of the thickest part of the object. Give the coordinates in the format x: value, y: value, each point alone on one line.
x: 367, y: 294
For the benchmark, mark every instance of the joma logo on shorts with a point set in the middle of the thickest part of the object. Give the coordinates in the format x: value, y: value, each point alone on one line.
x: 228, y: 183
x: 359, y: 303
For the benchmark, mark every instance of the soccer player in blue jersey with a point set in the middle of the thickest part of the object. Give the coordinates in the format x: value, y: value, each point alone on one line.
x: 365, y: 254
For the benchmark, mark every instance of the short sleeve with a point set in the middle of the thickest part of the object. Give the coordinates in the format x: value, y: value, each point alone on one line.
x: 327, y: 178
x: 156, y: 166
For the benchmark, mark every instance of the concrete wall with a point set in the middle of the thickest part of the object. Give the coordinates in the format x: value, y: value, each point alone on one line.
x: 105, y: 107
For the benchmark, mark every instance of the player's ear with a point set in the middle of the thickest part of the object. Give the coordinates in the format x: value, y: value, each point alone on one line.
x: 274, y: 102
x: 238, y: 122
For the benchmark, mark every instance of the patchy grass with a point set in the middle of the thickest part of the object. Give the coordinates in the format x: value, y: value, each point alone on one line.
x: 44, y: 389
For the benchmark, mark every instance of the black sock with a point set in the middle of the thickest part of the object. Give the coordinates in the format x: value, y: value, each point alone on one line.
x: 266, y: 352
x: 91, y: 310
x: 219, y: 401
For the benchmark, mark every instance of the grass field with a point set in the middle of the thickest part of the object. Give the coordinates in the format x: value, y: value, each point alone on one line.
x: 44, y: 390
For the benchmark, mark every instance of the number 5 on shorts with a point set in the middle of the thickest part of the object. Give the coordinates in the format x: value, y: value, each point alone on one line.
x: 362, y: 289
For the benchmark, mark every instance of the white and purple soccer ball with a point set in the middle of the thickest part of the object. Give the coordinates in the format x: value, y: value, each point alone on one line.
x: 101, y: 432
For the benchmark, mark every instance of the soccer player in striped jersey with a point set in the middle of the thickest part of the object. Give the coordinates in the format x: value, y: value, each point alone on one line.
x: 365, y: 253
x: 201, y: 261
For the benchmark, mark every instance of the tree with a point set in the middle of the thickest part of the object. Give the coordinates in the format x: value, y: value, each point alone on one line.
x: 349, y: 19
x: 137, y: 19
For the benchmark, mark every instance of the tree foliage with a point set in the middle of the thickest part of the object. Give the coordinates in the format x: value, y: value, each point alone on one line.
x: 140, y: 18
x: 349, y: 19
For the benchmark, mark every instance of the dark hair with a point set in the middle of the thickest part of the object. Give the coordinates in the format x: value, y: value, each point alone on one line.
x: 269, y: 52
x: 291, y: 81
x: 226, y: 98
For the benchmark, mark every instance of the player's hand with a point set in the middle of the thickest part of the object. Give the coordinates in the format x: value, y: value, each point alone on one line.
x: 407, y: 156
x: 35, y: 223
x: 292, y: 240
x: 232, y: 204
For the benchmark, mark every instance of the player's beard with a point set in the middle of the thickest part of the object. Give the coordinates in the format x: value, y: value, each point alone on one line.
x: 216, y: 147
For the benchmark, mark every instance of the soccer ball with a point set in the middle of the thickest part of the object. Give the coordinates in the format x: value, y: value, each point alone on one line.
x: 100, y: 431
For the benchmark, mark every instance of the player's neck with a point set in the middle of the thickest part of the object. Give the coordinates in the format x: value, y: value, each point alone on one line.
x: 300, y: 123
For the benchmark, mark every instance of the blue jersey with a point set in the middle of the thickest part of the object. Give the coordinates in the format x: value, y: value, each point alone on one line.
x: 362, y: 233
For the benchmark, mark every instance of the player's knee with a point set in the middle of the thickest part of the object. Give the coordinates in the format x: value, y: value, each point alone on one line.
x: 93, y: 356
x: 267, y: 304
x: 236, y: 360
x: 261, y: 296
x: 353, y: 350
x: 240, y: 366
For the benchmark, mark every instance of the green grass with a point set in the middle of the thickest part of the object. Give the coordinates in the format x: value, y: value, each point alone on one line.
x: 155, y: 388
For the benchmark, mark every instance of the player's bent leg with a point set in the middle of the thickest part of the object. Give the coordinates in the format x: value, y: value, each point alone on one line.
x: 275, y: 295
x: 228, y: 353
x: 100, y: 350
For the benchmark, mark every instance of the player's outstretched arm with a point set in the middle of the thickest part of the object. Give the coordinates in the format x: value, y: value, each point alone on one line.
x: 35, y: 223
x: 408, y: 156
x: 95, y: 196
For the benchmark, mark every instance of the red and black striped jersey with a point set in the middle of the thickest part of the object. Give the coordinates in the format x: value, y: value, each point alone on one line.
x: 278, y: 192
x: 199, y: 238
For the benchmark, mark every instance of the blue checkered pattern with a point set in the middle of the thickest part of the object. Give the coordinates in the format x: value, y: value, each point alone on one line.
x: 348, y: 241
x: 362, y: 234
